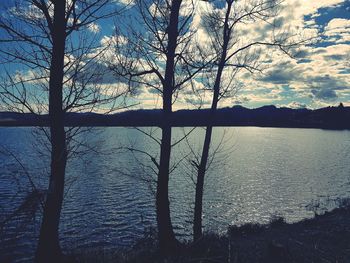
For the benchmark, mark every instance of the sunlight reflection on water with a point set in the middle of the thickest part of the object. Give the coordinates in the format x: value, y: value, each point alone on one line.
x: 263, y: 172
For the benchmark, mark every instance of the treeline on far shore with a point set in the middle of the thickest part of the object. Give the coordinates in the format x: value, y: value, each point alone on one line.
x: 266, y: 116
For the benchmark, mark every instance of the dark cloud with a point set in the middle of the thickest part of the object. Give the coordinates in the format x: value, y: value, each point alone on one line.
x: 328, y: 82
x: 269, y: 27
x: 324, y: 94
x: 320, y: 51
x: 241, y: 100
x: 278, y: 76
x: 197, y: 101
x: 344, y: 71
x: 322, y: 87
x: 334, y: 57
x: 304, y: 61
x: 98, y: 73
x: 302, y: 54
x: 282, y: 74
x: 325, y: 87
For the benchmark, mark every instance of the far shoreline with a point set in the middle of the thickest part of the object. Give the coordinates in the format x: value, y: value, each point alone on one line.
x: 330, y: 118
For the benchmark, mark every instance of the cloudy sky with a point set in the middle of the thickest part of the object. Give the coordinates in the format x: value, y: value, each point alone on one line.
x: 318, y: 76
x: 321, y: 76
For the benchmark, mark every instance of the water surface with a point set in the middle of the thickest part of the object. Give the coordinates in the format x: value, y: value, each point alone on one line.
x: 258, y: 173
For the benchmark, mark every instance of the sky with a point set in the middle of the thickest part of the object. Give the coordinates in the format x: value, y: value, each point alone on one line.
x: 318, y: 75
x: 319, y: 78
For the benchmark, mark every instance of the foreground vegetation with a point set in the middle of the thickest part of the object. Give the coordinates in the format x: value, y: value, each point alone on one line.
x: 324, y: 238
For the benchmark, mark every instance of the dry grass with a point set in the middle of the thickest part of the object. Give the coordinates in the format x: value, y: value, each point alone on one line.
x: 324, y: 238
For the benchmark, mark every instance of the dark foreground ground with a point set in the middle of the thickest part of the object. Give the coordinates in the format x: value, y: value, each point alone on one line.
x: 325, y: 238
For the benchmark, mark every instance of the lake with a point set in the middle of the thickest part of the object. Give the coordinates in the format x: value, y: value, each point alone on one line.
x: 258, y: 173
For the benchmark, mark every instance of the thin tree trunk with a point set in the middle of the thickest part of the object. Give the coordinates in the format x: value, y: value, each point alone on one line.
x: 48, y: 247
x: 197, y: 220
x: 201, y: 170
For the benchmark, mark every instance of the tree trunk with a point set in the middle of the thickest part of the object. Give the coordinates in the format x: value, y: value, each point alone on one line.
x: 197, y: 222
x: 166, y: 236
x: 167, y: 241
x: 48, y: 247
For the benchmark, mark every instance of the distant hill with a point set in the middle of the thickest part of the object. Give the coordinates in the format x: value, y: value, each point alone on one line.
x: 266, y: 116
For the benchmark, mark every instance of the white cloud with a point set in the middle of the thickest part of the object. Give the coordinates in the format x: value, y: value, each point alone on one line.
x: 126, y: 2
x: 338, y: 30
x: 94, y: 28
x: 295, y: 105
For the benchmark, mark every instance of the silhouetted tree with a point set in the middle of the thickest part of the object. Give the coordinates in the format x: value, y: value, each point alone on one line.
x: 55, y: 42
x: 160, y: 54
x: 232, y: 53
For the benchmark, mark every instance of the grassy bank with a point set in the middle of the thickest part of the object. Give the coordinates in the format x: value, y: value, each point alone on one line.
x: 325, y: 238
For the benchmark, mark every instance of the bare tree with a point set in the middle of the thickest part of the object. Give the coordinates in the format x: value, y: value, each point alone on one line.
x: 233, y: 54
x: 51, y: 40
x: 160, y: 54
